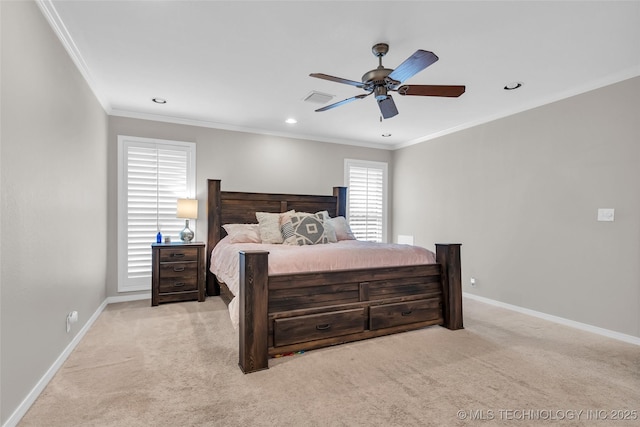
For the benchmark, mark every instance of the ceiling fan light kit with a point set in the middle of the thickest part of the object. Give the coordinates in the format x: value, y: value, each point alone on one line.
x: 380, y: 81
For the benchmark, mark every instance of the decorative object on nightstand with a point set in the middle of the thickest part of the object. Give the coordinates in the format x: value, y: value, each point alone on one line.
x: 177, y: 272
x: 187, y: 208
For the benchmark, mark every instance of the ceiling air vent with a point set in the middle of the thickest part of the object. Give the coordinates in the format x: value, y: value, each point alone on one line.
x: 318, y: 97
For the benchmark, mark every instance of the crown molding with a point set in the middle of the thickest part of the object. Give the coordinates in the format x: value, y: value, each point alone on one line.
x: 51, y: 15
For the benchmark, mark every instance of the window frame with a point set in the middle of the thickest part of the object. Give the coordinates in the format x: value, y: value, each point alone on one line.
x: 126, y: 284
x: 370, y: 164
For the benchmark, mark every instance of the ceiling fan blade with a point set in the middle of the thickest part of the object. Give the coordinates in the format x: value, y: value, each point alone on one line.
x: 431, y: 90
x: 336, y: 79
x: 413, y: 65
x: 387, y: 107
x: 344, y: 101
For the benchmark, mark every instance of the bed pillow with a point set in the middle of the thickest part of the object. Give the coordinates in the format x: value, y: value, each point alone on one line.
x: 329, y: 229
x: 288, y: 234
x: 304, y: 229
x: 243, y: 233
x: 269, y: 226
x: 286, y: 228
x: 341, y: 228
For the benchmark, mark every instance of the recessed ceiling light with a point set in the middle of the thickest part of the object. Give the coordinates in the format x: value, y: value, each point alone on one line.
x: 386, y: 135
x: 159, y: 100
x: 291, y: 121
x: 513, y: 86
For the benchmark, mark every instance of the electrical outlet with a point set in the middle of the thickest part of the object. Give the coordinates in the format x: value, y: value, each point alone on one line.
x: 473, y: 282
x: 72, y: 317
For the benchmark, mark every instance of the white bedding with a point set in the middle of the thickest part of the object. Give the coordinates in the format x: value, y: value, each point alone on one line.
x: 283, y: 259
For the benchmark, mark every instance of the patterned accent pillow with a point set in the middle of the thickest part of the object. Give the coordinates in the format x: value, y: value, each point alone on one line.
x: 286, y: 228
x: 308, y: 229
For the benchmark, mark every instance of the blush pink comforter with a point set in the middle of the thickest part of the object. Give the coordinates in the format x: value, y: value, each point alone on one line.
x: 343, y: 255
x: 283, y: 259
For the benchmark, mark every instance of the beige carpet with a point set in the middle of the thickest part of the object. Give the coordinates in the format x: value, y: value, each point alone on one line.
x: 176, y: 365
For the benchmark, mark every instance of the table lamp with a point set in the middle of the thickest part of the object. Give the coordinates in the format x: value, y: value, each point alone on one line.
x: 187, y: 208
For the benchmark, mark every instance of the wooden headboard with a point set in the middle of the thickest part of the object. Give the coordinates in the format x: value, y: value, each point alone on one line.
x: 230, y: 207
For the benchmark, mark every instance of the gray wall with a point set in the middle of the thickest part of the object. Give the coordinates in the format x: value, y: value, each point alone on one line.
x: 54, y: 195
x: 521, y: 194
x: 243, y: 161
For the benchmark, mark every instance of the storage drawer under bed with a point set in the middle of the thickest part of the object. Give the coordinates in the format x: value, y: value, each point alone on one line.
x: 311, y: 327
x: 402, y: 313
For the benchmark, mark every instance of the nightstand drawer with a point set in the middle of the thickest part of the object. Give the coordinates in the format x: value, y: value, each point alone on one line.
x: 178, y: 284
x: 178, y: 254
x: 178, y: 269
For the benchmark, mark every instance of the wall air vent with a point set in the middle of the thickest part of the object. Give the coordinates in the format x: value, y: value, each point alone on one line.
x: 318, y: 97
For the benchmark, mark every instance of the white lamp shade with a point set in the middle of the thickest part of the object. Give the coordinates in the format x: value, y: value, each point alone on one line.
x: 187, y: 208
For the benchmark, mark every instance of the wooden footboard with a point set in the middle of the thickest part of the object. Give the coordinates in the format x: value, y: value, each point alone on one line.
x: 293, y: 312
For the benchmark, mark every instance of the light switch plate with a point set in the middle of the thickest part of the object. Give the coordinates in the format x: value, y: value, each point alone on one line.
x: 605, y: 214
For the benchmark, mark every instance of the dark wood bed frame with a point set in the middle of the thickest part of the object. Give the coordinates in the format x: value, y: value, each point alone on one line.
x: 292, y: 312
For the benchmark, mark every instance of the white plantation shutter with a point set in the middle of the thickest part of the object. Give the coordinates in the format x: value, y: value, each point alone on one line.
x: 366, y: 207
x: 153, y: 174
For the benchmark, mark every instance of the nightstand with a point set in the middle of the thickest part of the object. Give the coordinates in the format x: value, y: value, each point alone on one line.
x: 177, y: 272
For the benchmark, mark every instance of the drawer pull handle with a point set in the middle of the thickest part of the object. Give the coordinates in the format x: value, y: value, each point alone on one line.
x: 178, y: 269
x: 323, y: 327
x: 406, y: 313
x: 178, y: 284
x: 177, y: 255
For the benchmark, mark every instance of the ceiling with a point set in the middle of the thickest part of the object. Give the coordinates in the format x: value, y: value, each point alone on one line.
x: 245, y: 65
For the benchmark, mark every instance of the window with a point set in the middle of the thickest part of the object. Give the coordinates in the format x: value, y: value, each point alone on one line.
x: 367, y: 199
x: 152, y: 175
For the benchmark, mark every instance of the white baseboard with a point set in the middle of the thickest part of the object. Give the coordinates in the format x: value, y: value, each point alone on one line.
x: 40, y: 386
x: 125, y: 298
x: 22, y: 409
x: 571, y: 323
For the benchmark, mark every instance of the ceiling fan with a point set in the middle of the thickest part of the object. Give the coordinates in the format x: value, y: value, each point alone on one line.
x: 380, y: 81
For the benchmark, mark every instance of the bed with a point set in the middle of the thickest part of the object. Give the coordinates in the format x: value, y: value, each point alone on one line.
x: 281, y: 313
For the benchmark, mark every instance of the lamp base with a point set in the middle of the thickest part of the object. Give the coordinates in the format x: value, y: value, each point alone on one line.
x: 186, y: 235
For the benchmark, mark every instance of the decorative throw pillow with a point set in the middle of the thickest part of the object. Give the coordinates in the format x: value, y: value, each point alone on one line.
x: 341, y: 228
x: 308, y: 229
x: 329, y: 229
x: 286, y: 228
x: 269, y: 225
x: 243, y: 233
x: 288, y: 234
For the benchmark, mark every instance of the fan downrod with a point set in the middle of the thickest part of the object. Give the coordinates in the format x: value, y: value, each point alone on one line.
x: 376, y: 76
